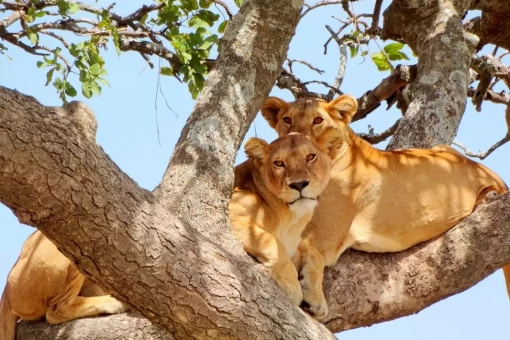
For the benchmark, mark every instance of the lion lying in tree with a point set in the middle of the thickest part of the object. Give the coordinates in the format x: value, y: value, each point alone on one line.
x: 376, y: 201
x: 276, y: 191
x: 44, y: 282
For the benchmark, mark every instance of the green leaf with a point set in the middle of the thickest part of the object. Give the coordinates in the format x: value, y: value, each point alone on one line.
x: 95, y: 88
x: 238, y: 2
x: 49, y: 76
x: 200, y: 68
x: 380, y: 61
x: 209, y: 17
x: 40, y: 14
x: 103, y: 81
x: 95, y: 69
x: 166, y: 71
x: 32, y: 36
x: 70, y: 90
x: 41, y: 64
x: 393, y: 48
x: 58, y: 84
x: 353, y: 51
x: 85, y: 89
x: 204, y: 3
x: 73, y: 8
x: 208, y: 42
x: 189, y: 5
x: 223, y: 26
x: 398, y: 56
x: 199, y: 80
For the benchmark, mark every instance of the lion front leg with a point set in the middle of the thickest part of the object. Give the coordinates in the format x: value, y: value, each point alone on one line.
x: 269, y: 251
x: 311, y: 278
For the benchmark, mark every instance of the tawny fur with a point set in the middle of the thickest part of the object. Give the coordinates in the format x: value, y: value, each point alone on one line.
x: 44, y: 283
x: 268, y: 209
x: 377, y: 201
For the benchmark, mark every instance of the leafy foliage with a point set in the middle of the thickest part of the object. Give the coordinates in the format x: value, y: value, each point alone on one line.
x: 184, y: 32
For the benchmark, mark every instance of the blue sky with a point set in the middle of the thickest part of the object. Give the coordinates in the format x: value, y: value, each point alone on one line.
x: 128, y: 110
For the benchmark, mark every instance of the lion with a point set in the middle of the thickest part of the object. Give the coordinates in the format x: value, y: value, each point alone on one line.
x: 376, y: 201
x: 275, y: 193
x: 45, y: 283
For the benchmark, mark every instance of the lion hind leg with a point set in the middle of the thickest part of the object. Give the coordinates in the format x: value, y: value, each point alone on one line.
x: 8, y: 319
x: 82, y: 307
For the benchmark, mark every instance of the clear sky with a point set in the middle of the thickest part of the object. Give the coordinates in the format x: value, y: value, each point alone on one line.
x: 128, y: 110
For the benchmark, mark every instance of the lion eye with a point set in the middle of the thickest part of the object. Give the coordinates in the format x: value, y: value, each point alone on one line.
x: 287, y: 120
x: 279, y: 164
x: 311, y: 157
x: 317, y: 120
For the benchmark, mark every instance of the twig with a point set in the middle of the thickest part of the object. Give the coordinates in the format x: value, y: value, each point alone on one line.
x: 310, y: 66
x: 225, y: 7
x: 341, y: 67
x: 323, y: 83
x: 374, y: 29
x: 482, y: 155
x: 379, y: 137
x: 317, y: 5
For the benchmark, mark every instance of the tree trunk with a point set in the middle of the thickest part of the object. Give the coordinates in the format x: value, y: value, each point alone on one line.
x: 433, y: 29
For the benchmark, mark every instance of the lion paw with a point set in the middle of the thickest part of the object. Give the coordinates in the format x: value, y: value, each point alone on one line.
x: 289, y: 283
x: 318, y: 309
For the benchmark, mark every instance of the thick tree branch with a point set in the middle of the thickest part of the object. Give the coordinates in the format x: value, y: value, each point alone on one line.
x: 114, y: 327
x: 434, y: 31
x: 374, y: 138
x: 251, y: 61
x: 55, y: 177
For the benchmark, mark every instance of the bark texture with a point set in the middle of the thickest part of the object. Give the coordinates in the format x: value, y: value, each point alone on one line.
x: 433, y: 29
x: 55, y: 177
x: 198, y: 182
x: 114, y: 327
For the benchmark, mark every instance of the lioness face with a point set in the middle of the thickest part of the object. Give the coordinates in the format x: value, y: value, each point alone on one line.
x: 308, y: 116
x: 294, y: 168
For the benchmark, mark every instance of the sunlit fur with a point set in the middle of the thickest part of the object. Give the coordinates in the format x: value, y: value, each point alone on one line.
x: 377, y: 201
x: 268, y: 215
x: 44, y: 283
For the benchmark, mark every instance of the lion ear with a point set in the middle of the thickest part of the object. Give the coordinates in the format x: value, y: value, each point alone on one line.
x: 255, y: 148
x: 271, y: 108
x: 331, y: 141
x: 344, y: 107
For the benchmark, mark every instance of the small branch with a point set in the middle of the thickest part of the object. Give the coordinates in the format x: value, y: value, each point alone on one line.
x: 482, y: 155
x: 341, y: 67
x: 497, y: 98
x: 225, y: 7
x: 317, y: 5
x: 310, y: 66
x: 323, y: 83
x: 371, y: 100
x: 374, y: 28
x: 377, y: 138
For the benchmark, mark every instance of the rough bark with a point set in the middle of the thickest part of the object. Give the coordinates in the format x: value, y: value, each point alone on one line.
x: 433, y: 29
x: 493, y: 26
x: 121, y: 326
x: 198, y: 182
x: 55, y: 177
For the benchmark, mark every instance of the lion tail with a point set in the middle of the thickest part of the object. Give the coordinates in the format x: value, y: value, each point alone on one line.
x: 8, y: 319
x: 506, y: 273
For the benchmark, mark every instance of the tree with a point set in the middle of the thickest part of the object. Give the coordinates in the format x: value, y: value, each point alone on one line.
x: 82, y: 196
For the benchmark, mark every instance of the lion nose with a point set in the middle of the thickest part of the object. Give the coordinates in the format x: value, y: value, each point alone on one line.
x: 299, y: 185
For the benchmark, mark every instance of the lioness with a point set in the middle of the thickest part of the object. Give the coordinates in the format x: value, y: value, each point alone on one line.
x: 43, y: 282
x: 275, y: 194
x: 376, y: 201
